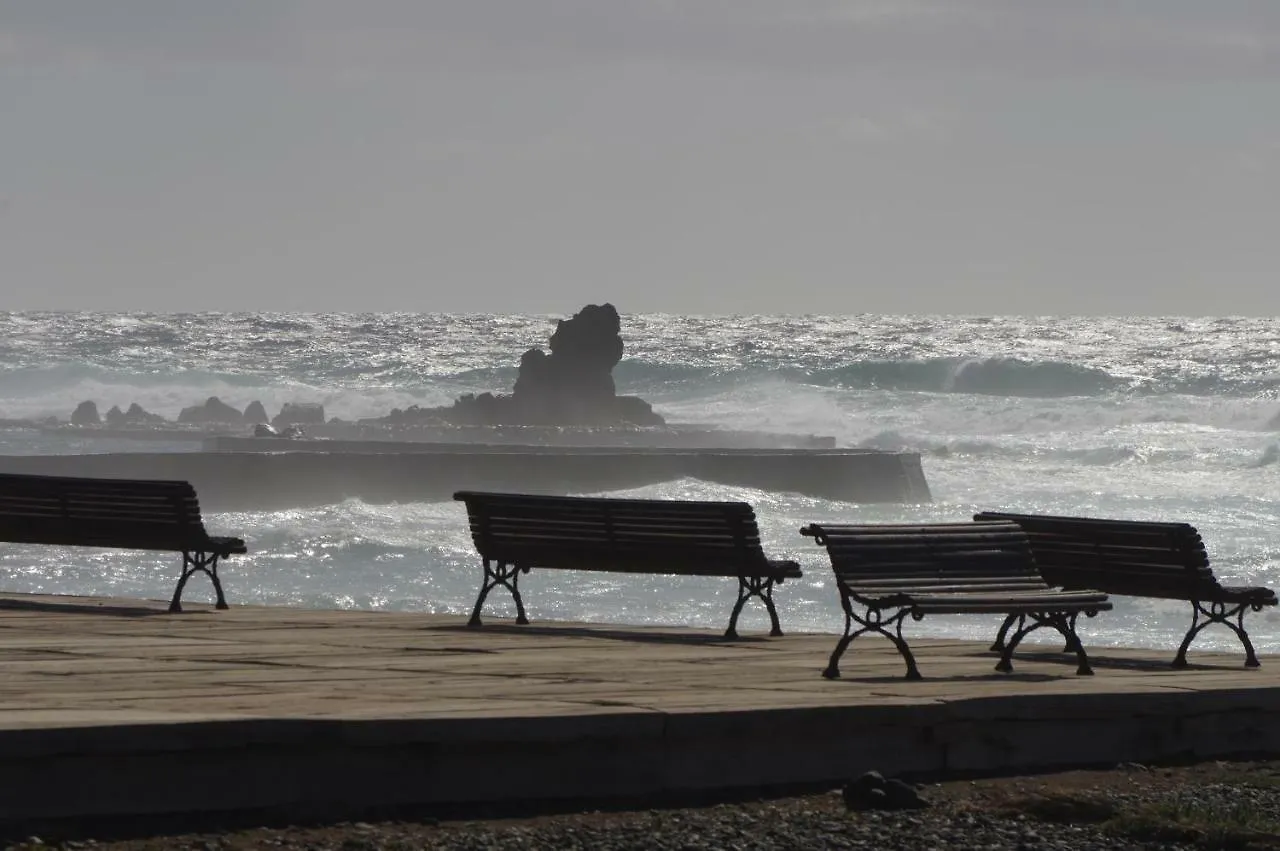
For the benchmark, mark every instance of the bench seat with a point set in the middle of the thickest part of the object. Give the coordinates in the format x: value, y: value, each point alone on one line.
x: 888, y: 572
x: 515, y: 533
x: 1139, y: 558
x: 131, y: 514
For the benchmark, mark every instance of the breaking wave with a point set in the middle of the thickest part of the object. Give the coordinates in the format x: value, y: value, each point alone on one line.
x: 999, y: 376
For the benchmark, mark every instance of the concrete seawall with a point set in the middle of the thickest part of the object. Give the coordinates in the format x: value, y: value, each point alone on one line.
x: 115, y: 708
x: 262, y: 480
x: 674, y: 436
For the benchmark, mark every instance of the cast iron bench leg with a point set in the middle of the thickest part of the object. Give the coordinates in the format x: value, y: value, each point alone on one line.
x: 506, y: 575
x: 873, y: 621
x: 1073, y: 638
x: 754, y: 586
x: 1218, y: 613
x: 1009, y: 623
x: 205, y: 563
x: 1059, y: 621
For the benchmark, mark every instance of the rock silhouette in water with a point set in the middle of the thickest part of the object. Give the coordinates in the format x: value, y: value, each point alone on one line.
x: 256, y: 413
x: 214, y: 410
x: 299, y: 413
x: 136, y: 415
x: 570, y: 386
x: 86, y: 413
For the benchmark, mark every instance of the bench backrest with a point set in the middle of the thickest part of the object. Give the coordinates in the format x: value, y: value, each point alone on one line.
x: 130, y: 514
x: 632, y: 535
x: 1134, y: 557
x: 931, y: 557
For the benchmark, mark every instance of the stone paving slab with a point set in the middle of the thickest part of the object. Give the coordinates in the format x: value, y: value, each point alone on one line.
x: 295, y: 663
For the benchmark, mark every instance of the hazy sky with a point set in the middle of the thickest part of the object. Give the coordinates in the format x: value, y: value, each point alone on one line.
x: 688, y: 156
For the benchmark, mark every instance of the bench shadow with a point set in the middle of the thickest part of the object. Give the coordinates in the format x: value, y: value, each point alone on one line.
x: 1114, y: 662
x: 114, y: 609
x: 612, y: 633
x: 994, y: 676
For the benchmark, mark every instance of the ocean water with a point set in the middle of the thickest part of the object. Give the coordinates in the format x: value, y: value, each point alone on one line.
x: 1161, y: 418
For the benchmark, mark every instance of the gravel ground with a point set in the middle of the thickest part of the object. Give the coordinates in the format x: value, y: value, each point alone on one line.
x: 1213, y: 805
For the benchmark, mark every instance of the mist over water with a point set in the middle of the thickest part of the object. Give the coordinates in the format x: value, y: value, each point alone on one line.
x: 1142, y: 418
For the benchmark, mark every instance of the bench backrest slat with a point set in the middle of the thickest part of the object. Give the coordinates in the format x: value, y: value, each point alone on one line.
x: 132, y: 514
x: 598, y: 533
x: 1078, y: 552
x: 929, y: 556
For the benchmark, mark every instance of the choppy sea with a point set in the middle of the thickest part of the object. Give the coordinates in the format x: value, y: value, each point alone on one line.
x: 1162, y: 418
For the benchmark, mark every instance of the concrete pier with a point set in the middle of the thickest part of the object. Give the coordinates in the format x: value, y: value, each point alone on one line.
x: 115, y: 708
x: 306, y: 473
x: 671, y: 436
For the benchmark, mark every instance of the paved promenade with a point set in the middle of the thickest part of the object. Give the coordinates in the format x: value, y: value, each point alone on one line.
x: 115, y: 706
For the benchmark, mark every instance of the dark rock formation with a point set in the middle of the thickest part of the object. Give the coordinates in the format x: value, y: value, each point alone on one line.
x: 214, y: 410
x: 571, y: 386
x: 299, y: 413
x: 256, y: 413
x: 86, y: 413
x: 139, y: 414
x: 136, y: 415
x: 634, y: 410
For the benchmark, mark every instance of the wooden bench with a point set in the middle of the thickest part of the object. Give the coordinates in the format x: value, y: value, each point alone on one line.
x: 895, y: 571
x: 115, y: 513
x: 517, y: 532
x: 1133, y: 558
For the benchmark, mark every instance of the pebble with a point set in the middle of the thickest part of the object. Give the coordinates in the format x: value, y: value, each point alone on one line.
x: 762, y: 826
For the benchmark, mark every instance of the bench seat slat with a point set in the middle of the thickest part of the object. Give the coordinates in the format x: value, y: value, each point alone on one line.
x: 576, y: 510
x: 1172, y: 535
x: 1115, y: 540
x: 862, y: 576
x: 169, y: 517
x: 1046, y: 553
x: 569, y: 527
x: 995, y: 561
x: 570, y: 517
x: 521, y: 551
x: 528, y: 552
x: 701, y: 568
x: 605, y: 534
x: 110, y: 506
x: 992, y: 539
x: 1065, y: 522
x: 1205, y: 592
x: 869, y: 585
x: 491, y: 543
x: 544, y: 502
x: 999, y: 560
x: 997, y: 606
x: 1124, y: 567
